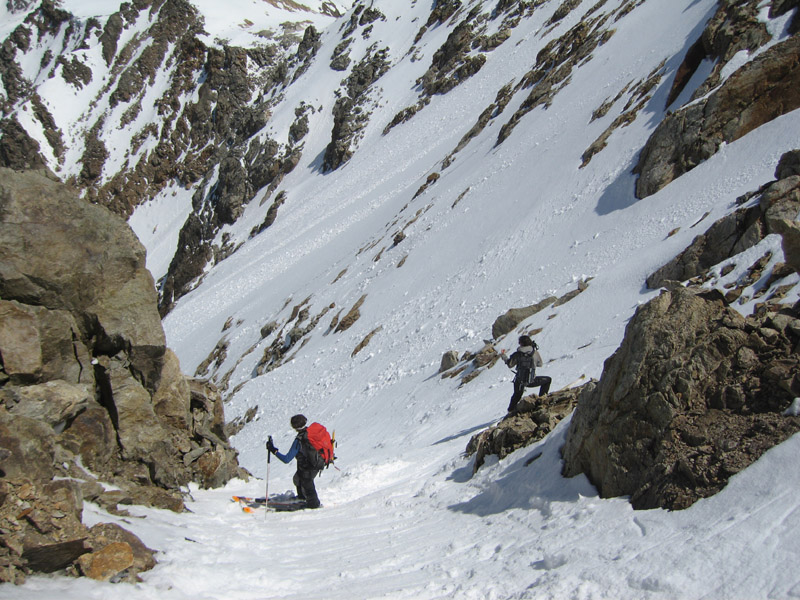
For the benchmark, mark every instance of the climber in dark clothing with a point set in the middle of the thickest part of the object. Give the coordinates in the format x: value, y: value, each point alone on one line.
x: 525, y: 359
x: 304, y: 477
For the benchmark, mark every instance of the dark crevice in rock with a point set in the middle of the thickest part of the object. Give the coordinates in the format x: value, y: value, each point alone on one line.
x: 694, y: 57
x: 105, y: 396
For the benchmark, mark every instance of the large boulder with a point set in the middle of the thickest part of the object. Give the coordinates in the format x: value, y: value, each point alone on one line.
x: 509, y: 320
x: 91, y: 265
x: 86, y: 382
x: 695, y: 393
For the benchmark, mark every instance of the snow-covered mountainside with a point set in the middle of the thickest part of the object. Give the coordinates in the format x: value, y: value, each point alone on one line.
x: 333, y: 197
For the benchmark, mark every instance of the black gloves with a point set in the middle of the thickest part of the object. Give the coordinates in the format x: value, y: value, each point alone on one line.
x: 271, y: 447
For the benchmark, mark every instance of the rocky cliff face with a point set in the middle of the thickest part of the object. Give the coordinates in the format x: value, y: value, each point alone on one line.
x: 88, y: 390
x: 695, y: 394
x: 207, y: 103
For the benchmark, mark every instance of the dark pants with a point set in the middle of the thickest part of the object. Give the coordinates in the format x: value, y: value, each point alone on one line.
x: 541, y: 381
x: 304, y: 484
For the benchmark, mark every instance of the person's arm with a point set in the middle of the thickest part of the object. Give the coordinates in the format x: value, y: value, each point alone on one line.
x: 512, y: 360
x: 289, y: 456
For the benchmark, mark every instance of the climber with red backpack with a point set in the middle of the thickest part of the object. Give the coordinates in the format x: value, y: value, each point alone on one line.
x: 313, y: 449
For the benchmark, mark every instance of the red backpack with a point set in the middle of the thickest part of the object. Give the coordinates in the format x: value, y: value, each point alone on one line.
x: 321, y: 441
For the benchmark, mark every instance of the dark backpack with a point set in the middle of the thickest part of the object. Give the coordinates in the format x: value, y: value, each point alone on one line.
x: 318, y: 446
x: 526, y: 368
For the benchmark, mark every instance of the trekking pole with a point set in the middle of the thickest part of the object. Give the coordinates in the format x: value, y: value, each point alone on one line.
x: 266, y: 491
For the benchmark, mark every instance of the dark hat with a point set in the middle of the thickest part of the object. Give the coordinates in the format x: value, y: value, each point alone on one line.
x: 298, y: 421
x: 525, y: 340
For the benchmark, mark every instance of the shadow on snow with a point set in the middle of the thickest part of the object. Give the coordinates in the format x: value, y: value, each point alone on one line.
x: 529, y: 479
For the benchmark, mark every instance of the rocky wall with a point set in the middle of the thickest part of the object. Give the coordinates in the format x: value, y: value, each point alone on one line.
x: 89, y: 392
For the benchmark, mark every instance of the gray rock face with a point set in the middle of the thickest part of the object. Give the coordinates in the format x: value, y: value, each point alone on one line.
x: 110, y: 294
x: 757, y: 93
x: 694, y: 394
x: 86, y: 380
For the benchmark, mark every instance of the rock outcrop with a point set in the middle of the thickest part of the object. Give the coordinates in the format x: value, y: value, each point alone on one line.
x: 758, y: 92
x: 534, y: 419
x: 695, y: 393
x: 778, y: 205
x: 351, y: 113
x: 88, y: 390
x: 508, y: 321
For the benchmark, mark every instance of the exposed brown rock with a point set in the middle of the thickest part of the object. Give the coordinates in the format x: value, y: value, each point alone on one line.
x: 694, y: 394
x: 87, y: 381
x: 449, y: 360
x: 779, y: 205
x: 514, y: 316
x: 17, y: 149
x: 760, y: 91
x: 108, y: 562
x: 352, y: 316
x: 365, y: 342
x: 791, y: 244
x: 534, y: 419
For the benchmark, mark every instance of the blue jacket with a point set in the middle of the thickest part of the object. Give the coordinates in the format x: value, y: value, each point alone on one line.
x: 289, y: 456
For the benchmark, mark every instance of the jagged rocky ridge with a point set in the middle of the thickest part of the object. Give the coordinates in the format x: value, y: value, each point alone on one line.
x: 214, y: 103
x: 93, y: 405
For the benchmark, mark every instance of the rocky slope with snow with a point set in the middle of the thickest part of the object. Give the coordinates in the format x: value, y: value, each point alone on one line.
x: 198, y: 115
x: 334, y: 198
x: 696, y: 392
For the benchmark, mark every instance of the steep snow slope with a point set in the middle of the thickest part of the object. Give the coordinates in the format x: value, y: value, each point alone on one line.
x: 503, y: 226
x: 530, y: 224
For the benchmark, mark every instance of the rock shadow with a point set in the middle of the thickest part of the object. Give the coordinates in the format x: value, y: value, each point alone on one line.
x: 531, y: 482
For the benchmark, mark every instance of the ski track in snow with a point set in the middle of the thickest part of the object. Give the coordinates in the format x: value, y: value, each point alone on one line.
x: 386, y: 530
